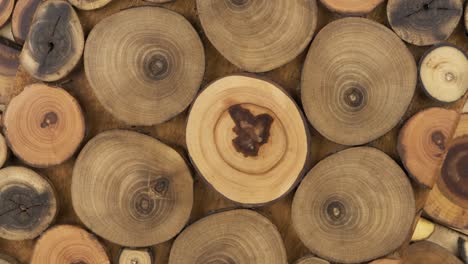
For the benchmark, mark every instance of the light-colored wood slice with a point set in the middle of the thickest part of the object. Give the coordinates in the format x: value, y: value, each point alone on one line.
x: 22, y: 18
x: 6, y: 8
x: 357, y: 81
x: 135, y: 256
x: 359, y: 195
x: 3, y: 151
x: 422, y: 143
x: 237, y: 236
x: 9, y: 62
x: 55, y: 42
x: 311, y: 260
x: 424, y: 229
x: 43, y: 125
x: 158, y: 68
x: 351, y: 7
x: 443, y: 71
x: 28, y: 203
x: 68, y: 244
x: 258, y: 35
x: 386, y: 261
x: 89, y: 4
x: 429, y: 253
x: 131, y: 189
x: 5, y: 259
x: 424, y: 22
x: 247, y: 139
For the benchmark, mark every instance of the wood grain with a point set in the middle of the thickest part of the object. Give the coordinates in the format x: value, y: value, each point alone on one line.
x: 135, y: 256
x: 89, y: 4
x: 311, y: 260
x: 351, y: 7
x: 5, y: 259
x: 429, y: 253
x: 22, y: 18
x: 6, y: 8
x: 9, y: 62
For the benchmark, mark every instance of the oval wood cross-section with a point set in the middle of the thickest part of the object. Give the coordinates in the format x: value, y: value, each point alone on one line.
x: 5, y: 259
x: 22, y: 18
x: 422, y: 143
x: 429, y: 253
x: 89, y: 4
x: 43, y: 125
x: 135, y: 256
x: 357, y: 82
x: 311, y: 260
x: 6, y: 8
x: 258, y: 35
x: 147, y: 71
x: 9, y: 62
x: 424, y: 22
x: 248, y: 139
x: 359, y: 195
x: 237, y: 236
x: 55, y: 42
x: 68, y: 244
x: 443, y: 71
x: 351, y: 7
x: 27, y: 203
x: 131, y: 189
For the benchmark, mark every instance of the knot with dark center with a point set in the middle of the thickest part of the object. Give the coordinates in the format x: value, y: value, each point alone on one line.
x: 161, y: 186
x: 355, y: 97
x: 157, y: 67
x: 438, y: 139
x: 49, y: 119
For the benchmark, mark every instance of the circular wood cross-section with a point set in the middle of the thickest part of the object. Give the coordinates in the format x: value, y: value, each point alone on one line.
x: 248, y: 139
x: 429, y: 253
x: 424, y: 22
x: 357, y: 82
x: 422, y: 143
x: 9, y: 62
x: 89, y: 4
x: 311, y: 260
x: 443, y: 71
x: 237, y: 236
x: 135, y: 256
x: 6, y: 8
x: 22, y: 18
x: 147, y: 71
x: 43, y: 125
x: 359, y: 195
x: 258, y: 35
x: 131, y: 189
x: 27, y: 201
x: 68, y: 244
x: 5, y: 259
x: 351, y: 7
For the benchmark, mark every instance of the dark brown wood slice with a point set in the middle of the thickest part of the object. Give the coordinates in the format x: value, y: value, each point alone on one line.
x: 9, y: 62
x: 89, y: 4
x: 6, y: 8
x: 429, y: 253
x: 22, y: 18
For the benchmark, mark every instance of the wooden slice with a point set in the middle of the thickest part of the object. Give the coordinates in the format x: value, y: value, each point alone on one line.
x: 422, y: 143
x: 89, y: 4
x: 248, y: 139
x: 9, y: 62
x: 3, y: 151
x: 311, y: 260
x: 386, y: 261
x: 424, y: 229
x: 258, y: 35
x: 22, y: 18
x: 5, y: 259
x: 43, y: 125
x: 68, y: 244
x: 160, y: 55
x: 237, y: 236
x: 357, y: 82
x: 55, y: 42
x: 360, y: 196
x: 6, y: 8
x: 135, y: 256
x: 131, y: 189
x: 351, y: 7
x: 429, y: 253
x: 27, y: 203
x: 443, y: 71
x: 424, y: 22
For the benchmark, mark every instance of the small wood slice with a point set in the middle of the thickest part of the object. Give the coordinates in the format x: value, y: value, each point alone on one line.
x: 89, y: 4
x: 55, y: 42
x: 351, y: 7
x: 258, y: 35
x: 248, y: 139
x: 424, y: 22
x: 135, y: 256
x: 386, y: 261
x: 360, y: 196
x: 43, y: 125
x: 443, y: 71
x: 357, y: 82
x: 3, y: 151
x: 68, y: 244
x: 28, y: 203
x: 422, y: 143
x: 9, y: 62
x: 158, y: 70
x: 6, y: 8
x: 237, y: 236
x: 424, y: 229
x: 311, y: 260
x: 429, y: 253
x: 5, y: 259
x: 22, y: 18
x: 131, y: 189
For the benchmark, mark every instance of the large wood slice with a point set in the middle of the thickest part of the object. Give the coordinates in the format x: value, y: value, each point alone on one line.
x: 360, y: 196
x: 423, y: 141
x: 351, y: 7
x: 311, y: 260
x: 6, y: 8
x: 27, y: 203
x: 22, y: 18
x: 9, y: 62
x: 237, y: 236
x: 68, y: 244
x: 357, y: 82
x: 131, y: 189
x: 135, y: 256
x: 258, y: 35
x: 443, y: 71
x: 5, y: 259
x: 89, y: 4
x: 429, y: 253
x: 43, y: 125
x: 248, y: 139
x: 55, y: 42
x: 424, y: 22
x: 147, y: 71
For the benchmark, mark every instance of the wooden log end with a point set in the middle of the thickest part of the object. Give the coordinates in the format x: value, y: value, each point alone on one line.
x: 353, y: 7
x: 22, y: 18
x: 135, y: 256
x: 6, y: 9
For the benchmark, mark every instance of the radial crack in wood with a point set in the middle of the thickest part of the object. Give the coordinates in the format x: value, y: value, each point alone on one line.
x: 351, y: 7
x: 429, y: 253
x: 89, y: 4
x: 22, y: 18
